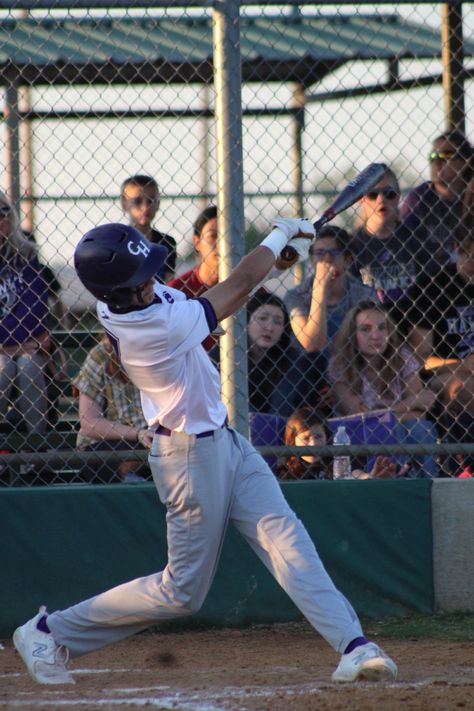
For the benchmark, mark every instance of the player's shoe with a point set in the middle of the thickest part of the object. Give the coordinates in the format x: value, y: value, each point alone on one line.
x: 366, y: 663
x: 45, y: 660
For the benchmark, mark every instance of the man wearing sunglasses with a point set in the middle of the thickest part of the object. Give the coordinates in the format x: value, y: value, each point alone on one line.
x: 437, y: 204
x: 140, y: 200
x: 388, y: 255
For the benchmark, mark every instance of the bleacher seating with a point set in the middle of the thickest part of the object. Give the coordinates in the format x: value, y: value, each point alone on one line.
x: 62, y: 436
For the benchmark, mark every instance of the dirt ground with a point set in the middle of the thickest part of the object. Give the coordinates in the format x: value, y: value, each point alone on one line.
x: 262, y: 668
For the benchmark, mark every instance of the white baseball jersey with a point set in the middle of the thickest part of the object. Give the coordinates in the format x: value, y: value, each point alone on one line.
x: 160, y: 348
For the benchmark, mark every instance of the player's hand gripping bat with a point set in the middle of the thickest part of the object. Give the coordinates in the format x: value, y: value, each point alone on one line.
x: 354, y: 190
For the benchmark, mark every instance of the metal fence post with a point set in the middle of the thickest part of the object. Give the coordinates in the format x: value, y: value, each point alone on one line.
x: 227, y: 81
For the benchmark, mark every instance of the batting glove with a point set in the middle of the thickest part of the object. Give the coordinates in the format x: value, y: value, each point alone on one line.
x: 295, y: 227
x: 285, y: 229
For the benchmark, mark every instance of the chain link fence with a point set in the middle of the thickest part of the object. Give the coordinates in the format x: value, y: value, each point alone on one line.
x: 116, y: 115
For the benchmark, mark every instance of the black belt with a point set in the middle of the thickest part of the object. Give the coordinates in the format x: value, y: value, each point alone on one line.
x: 167, y: 433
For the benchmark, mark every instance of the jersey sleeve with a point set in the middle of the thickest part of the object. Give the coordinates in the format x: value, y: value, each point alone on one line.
x: 189, y: 325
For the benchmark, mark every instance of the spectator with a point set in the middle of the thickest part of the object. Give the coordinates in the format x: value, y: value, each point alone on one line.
x: 140, y: 200
x: 443, y: 315
x: 437, y: 204
x: 371, y: 369
x: 318, y: 305
x: 468, y: 205
x: 24, y: 328
x: 110, y: 415
x: 388, y: 254
x: 280, y: 377
x: 57, y: 310
x: 307, y: 428
x: 196, y: 281
x: 269, y: 353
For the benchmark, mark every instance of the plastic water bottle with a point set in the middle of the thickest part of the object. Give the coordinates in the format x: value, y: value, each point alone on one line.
x: 341, y: 464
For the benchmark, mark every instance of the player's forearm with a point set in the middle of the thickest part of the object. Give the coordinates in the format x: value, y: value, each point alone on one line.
x: 252, y: 269
x: 232, y: 293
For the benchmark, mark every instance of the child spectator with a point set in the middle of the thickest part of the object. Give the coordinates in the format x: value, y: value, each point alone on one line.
x: 110, y: 415
x: 24, y: 326
x: 307, y: 428
x: 370, y: 369
x: 437, y: 204
x: 140, y: 200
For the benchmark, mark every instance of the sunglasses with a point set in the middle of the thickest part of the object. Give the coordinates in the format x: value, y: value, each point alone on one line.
x: 139, y: 201
x: 389, y: 193
x: 321, y: 253
x: 4, y: 210
x: 442, y: 155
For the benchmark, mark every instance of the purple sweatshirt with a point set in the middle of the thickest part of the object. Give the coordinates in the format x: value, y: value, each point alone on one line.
x: 23, y: 301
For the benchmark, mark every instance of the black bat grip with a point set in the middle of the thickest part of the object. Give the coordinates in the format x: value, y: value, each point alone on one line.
x: 289, y: 253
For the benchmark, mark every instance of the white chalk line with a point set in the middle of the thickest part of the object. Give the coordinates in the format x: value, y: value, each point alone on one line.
x: 162, y: 703
x: 203, y: 700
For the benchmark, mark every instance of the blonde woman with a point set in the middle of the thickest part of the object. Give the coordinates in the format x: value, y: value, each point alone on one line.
x: 24, y: 329
x: 371, y: 369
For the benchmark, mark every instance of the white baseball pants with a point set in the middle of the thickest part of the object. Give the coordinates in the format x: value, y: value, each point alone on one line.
x: 205, y: 483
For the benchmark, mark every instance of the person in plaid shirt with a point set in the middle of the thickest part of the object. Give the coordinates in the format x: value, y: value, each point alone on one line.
x: 110, y: 414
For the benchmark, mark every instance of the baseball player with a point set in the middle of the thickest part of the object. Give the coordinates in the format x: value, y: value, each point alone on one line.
x: 206, y: 473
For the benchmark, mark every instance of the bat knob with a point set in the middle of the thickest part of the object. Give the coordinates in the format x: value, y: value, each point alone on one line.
x: 288, y: 256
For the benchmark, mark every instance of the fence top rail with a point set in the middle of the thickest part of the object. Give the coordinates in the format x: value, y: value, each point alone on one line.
x: 183, y: 4
x: 75, y: 457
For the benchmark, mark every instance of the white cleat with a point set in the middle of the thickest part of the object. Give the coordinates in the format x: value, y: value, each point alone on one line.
x: 45, y: 660
x: 366, y: 663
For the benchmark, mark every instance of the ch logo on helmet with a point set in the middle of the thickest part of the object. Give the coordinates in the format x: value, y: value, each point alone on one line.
x: 140, y: 248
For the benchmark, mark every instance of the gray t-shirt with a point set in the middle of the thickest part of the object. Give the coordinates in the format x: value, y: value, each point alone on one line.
x: 298, y: 301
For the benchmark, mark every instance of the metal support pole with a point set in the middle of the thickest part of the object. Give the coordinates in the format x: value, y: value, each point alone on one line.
x: 452, y: 52
x: 231, y: 226
x: 204, y: 143
x: 298, y: 128
x: 26, y: 161
x: 12, y: 144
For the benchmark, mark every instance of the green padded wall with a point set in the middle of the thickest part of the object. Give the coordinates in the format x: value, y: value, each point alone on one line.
x: 59, y: 545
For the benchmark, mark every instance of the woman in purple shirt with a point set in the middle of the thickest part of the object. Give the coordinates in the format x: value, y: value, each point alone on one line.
x: 24, y: 334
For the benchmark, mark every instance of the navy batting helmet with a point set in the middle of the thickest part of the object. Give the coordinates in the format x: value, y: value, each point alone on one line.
x: 111, y: 260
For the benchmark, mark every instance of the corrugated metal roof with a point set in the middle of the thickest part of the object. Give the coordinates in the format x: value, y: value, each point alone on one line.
x: 301, y: 48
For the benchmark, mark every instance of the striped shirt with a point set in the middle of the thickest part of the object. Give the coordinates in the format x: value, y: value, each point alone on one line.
x: 118, y: 400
